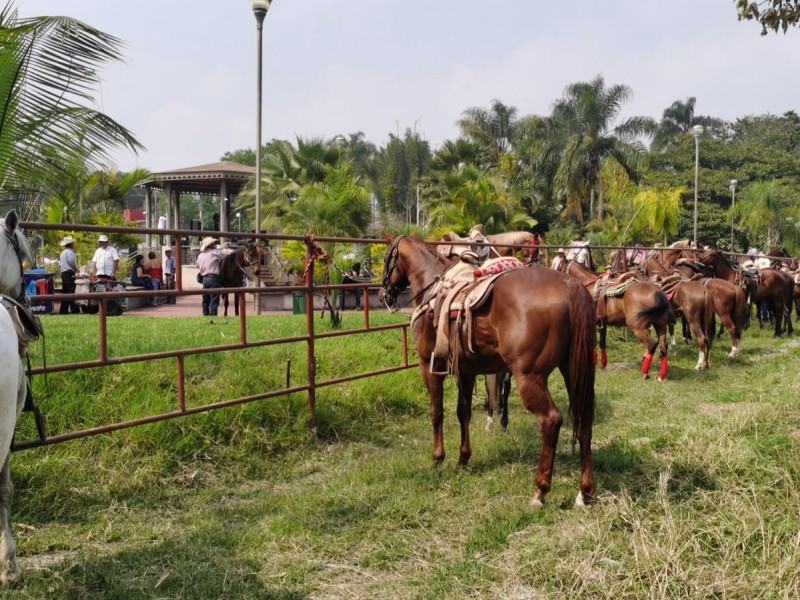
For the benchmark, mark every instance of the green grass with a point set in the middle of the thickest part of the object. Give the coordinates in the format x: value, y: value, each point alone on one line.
x: 698, y: 479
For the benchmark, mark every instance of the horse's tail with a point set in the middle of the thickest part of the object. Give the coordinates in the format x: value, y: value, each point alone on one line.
x: 580, y: 382
x: 709, y: 315
x: 660, y: 311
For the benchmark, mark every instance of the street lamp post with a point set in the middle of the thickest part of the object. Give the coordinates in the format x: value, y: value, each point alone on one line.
x: 734, y: 184
x: 697, y: 131
x: 239, y: 216
x: 260, y: 8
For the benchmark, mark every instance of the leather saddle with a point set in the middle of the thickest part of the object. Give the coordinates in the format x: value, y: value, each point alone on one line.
x: 462, y: 290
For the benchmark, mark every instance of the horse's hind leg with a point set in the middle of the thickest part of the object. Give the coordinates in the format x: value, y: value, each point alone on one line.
x: 537, y: 399
x: 9, y: 572
x: 505, y: 392
x: 466, y: 383
x: 493, y: 391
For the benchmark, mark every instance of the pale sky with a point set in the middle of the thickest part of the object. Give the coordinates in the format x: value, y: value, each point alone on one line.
x: 188, y: 87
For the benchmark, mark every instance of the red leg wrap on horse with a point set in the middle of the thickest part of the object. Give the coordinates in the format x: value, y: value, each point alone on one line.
x: 664, y: 368
x: 646, y: 364
x: 603, y: 357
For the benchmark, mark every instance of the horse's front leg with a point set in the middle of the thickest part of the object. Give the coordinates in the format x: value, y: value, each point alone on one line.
x: 9, y: 570
x: 435, y: 385
x: 466, y: 383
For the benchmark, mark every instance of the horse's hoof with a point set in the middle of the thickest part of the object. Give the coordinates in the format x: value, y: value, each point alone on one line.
x: 662, y: 378
x: 10, y: 575
x: 535, y: 503
x: 580, y: 502
x: 647, y: 375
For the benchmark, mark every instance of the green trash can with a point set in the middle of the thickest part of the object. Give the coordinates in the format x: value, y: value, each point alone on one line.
x: 298, y: 303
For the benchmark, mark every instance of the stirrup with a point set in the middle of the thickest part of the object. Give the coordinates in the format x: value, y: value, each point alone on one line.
x: 430, y: 368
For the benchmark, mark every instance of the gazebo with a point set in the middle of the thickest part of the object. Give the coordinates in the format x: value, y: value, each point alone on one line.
x: 225, y: 179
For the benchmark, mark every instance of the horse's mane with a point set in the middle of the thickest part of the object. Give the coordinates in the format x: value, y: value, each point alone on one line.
x: 679, y: 244
x: 510, y: 237
x: 24, y: 246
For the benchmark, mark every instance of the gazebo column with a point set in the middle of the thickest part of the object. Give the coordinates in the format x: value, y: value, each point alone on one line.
x: 168, y: 193
x: 223, y: 208
x: 148, y: 214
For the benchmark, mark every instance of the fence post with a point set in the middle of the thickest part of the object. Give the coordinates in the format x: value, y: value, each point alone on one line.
x: 311, y: 358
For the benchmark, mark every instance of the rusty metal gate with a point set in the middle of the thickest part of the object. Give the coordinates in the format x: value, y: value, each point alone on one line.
x: 309, y: 289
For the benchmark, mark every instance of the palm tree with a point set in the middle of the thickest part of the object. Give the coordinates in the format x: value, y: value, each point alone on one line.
x: 474, y: 198
x: 677, y: 121
x: 493, y: 130
x: 339, y: 206
x: 45, y: 108
x: 584, y: 132
x: 765, y: 212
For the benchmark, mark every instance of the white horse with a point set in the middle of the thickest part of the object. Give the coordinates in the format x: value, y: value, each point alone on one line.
x: 13, y: 386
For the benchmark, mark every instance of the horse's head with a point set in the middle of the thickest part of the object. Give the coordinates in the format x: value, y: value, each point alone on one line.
x: 395, y: 278
x: 251, y: 255
x: 14, y: 249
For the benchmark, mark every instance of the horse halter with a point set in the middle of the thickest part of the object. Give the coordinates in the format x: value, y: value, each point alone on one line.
x: 11, y: 236
x: 389, y: 292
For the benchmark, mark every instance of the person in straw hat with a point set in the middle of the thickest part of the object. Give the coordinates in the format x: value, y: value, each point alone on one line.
x: 68, y: 264
x: 559, y: 263
x: 105, y: 261
x: 208, y: 264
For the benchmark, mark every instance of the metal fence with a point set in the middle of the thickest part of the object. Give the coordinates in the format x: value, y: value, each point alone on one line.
x: 310, y: 289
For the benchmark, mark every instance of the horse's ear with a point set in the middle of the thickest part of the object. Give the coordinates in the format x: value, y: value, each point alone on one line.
x: 11, y: 220
x: 388, y: 236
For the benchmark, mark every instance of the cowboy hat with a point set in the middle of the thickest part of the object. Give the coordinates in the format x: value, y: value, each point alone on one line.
x: 208, y: 241
x: 167, y: 249
x: 67, y: 241
x: 103, y: 238
x: 561, y: 251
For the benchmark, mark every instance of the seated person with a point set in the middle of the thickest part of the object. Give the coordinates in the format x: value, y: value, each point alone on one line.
x: 153, y: 268
x: 139, y: 277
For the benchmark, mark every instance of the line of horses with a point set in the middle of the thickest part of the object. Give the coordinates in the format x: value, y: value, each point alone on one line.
x: 536, y: 320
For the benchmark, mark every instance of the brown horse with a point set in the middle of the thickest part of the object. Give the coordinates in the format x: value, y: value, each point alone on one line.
x: 534, y: 321
x: 694, y: 303
x: 730, y: 300
x: 641, y: 306
x: 236, y: 268
x: 770, y: 286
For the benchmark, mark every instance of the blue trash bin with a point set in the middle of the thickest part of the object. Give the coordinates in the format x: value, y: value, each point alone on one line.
x: 37, y: 283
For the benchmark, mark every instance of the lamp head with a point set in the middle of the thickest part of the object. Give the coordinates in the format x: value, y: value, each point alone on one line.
x: 697, y: 131
x: 260, y: 5
x: 734, y: 185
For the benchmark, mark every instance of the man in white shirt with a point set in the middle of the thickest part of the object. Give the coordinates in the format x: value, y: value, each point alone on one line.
x: 105, y: 261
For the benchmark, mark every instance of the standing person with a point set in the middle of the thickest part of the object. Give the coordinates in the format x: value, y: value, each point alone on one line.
x: 351, y: 277
x: 560, y: 261
x: 579, y: 252
x: 169, y: 273
x: 68, y: 264
x: 208, y: 263
x: 153, y: 267
x: 105, y: 261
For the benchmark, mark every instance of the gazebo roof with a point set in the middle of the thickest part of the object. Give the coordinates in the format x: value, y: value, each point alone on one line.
x: 205, y: 179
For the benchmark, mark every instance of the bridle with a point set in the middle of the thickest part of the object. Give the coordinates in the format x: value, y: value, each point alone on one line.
x: 390, y: 292
x: 12, y: 239
x: 245, y: 263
